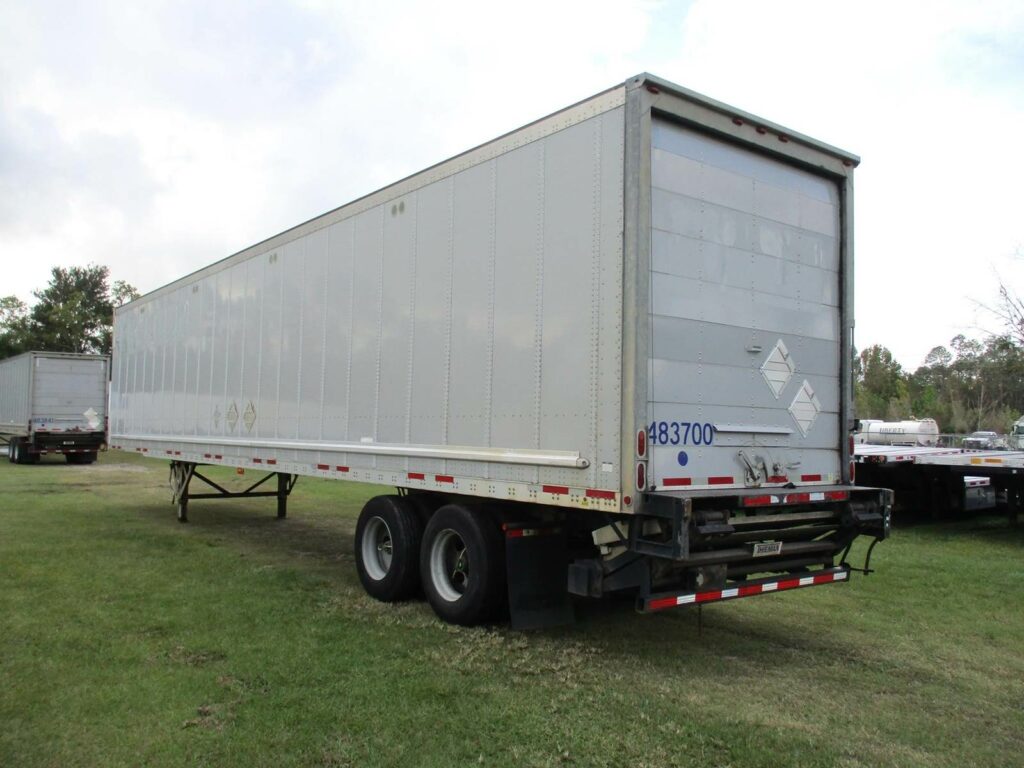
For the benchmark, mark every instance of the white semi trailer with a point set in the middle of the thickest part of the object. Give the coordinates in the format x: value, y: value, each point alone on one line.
x: 607, y: 351
x: 54, y: 403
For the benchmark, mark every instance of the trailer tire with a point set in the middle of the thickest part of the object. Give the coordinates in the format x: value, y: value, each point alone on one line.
x: 20, y: 455
x: 387, y: 548
x: 462, y: 565
x: 10, y: 450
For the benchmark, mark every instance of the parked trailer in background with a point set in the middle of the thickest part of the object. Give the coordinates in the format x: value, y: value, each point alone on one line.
x: 609, y: 351
x: 907, y: 432
x: 54, y: 402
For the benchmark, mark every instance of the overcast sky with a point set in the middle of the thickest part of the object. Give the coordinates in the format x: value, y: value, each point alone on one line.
x: 157, y: 137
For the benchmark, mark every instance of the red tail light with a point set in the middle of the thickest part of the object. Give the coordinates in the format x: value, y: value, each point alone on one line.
x: 853, y: 464
x: 641, y: 476
x: 641, y: 443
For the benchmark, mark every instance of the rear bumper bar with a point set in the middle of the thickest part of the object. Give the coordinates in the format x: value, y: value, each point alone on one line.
x: 664, y: 600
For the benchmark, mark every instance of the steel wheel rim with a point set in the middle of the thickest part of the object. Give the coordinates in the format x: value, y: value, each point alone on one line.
x: 378, y: 548
x: 449, y: 565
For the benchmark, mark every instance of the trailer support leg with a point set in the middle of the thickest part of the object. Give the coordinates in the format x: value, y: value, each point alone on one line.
x: 182, y: 473
x: 284, y: 487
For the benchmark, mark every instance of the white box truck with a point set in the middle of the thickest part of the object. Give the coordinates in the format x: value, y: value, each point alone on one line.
x: 608, y: 351
x: 54, y: 403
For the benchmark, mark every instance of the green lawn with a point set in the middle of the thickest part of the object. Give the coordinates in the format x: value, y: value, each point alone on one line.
x: 239, y: 639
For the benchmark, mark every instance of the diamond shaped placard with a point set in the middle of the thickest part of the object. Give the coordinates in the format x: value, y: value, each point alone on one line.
x: 249, y: 417
x: 805, y: 407
x: 232, y: 415
x: 778, y: 368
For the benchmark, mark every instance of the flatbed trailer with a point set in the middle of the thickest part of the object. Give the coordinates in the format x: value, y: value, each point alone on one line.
x: 607, y: 352
x: 945, y: 481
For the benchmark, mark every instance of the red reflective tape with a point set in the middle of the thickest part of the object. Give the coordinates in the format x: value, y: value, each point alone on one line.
x: 677, y: 481
x: 562, y: 489
x: 810, y: 478
x: 798, y: 498
x: 323, y: 466
x: 720, y: 481
x: 144, y: 450
x: 593, y: 493
x: 169, y: 453
x: 823, y: 578
x: 661, y: 603
x: 778, y: 479
x: 444, y: 478
x: 707, y: 597
x: 417, y: 476
x: 788, y: 584
x: 837, y: 495
x: 342, y: 469
x: 257, y: 461
x: 757, y: 501
x: 207, y: 456
x: 177, y: 453
x: 750, y: 589
x: 271, y: 461
x: 217, y: 456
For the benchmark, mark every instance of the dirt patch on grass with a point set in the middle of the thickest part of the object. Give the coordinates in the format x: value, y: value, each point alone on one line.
x: 194, y: 658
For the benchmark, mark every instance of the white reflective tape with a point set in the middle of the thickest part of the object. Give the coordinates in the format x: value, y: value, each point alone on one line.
x: 817, y: 496
x: 839, y: 576
x: 730, y: 592
x: 806, y: 581
x: 684, y: 599
x: 770, y: 587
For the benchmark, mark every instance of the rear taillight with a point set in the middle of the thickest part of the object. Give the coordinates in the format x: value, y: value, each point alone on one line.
x: 641, y: 443
x: 853, y: 464
x: 641, y: 476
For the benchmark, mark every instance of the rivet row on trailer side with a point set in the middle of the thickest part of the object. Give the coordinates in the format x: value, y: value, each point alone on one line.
x: 609, y: 351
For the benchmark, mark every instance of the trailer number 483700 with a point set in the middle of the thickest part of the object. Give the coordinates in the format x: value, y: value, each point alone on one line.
x: 680, y: 433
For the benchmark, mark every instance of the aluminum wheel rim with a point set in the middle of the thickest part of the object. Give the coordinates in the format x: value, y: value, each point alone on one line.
x: 378, y: 548
x: 449, y: 565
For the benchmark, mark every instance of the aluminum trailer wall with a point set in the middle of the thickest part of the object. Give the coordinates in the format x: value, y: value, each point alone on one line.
x: 504, y: 323
x: 460, y: 330
x: 16, y: 394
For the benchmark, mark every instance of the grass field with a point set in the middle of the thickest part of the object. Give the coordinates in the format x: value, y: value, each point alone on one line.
x: 239, y: 639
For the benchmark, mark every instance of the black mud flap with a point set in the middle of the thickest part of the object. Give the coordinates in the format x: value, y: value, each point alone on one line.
x: 538, y: 594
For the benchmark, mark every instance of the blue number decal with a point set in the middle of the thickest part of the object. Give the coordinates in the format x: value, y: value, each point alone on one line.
x: 680, y: 433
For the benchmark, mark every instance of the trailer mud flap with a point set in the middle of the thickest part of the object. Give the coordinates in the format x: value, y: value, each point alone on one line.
x: 538, y: 594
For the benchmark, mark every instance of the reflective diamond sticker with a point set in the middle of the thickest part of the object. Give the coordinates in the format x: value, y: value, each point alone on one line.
x: 249, y: 417
x: 92, y: 418
x: 778, y: 368
x: 216, y: 417
x: 805, y: 407
x: 232, y: 415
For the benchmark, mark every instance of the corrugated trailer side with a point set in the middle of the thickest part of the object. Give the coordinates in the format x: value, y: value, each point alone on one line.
x: 459, y: 331
x: 15, y: 394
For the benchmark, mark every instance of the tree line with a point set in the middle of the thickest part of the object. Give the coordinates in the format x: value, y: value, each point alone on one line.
x: 969, y: 385
x: 73, y: 313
